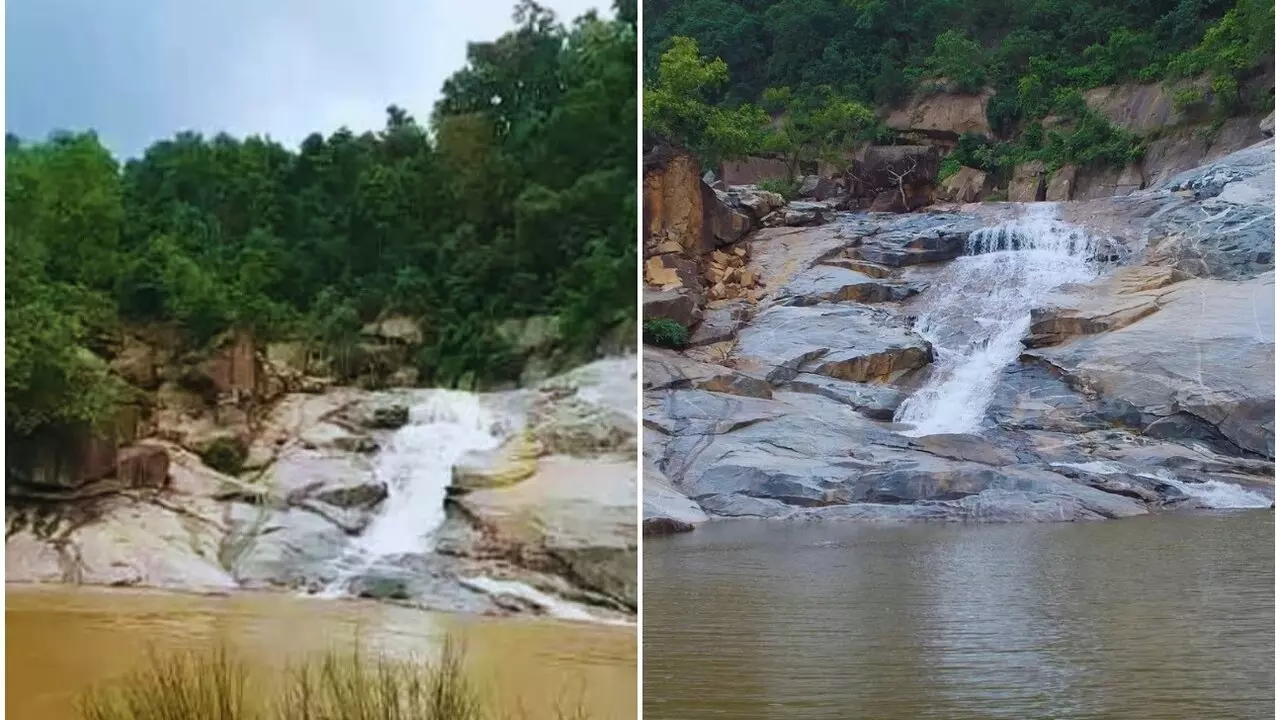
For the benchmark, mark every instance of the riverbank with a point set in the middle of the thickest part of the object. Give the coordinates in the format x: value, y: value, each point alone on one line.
x: 518, y: 662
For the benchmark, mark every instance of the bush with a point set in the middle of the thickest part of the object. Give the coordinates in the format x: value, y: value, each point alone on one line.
x: 665, y: 332
x: 788, y: 190
x: 214, y: 685
x: 226, y: 455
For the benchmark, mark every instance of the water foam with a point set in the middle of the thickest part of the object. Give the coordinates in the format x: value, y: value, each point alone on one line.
x: 1212, y: 494
x: 980, y: 309
x: 417, y: 467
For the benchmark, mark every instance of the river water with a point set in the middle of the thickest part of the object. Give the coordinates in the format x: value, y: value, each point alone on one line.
x: 61, y: 640
x: 1157, y: 618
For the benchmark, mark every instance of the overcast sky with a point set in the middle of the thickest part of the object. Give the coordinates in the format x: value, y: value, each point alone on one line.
x: 140, y: 70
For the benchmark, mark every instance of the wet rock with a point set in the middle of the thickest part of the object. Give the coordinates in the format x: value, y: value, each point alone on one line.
x: 855, y: 343
x: 898, y: 248
x: 290, y: 548
x: 512, y: 462
x: 664, y: 369
x: 878, y: 402
x: 970, y: 448
x: 666, y: 509
x: 391, y: 417
x: 721, y: 321
x: 1199, y: 355
x: 829, y: 284
x: 738, y: 505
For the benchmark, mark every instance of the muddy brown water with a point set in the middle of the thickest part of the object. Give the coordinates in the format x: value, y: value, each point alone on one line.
x: 60, y: 641
x: 1159, y: 618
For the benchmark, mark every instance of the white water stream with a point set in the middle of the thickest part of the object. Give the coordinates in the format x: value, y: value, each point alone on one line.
x: 1214, y: 494
x: 980, y: 309
x: 417, y: 467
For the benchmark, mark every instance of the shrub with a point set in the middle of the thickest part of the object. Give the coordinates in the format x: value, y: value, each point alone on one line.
x: 226, y: 455
x: 665, y: 332
x: 787, y: 190
x: 214, y: 685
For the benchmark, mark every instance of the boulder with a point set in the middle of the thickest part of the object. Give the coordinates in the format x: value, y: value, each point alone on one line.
x: 966, y: 186
x: 1028, y: 184
x: 912, y: 169
x: 514, y: 461
x: 1267, y: 126
x: 682, y: 306
x: 1062, y: 183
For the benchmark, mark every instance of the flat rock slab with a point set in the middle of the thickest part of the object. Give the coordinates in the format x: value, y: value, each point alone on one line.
x: 1207, y: 355
x: 832, y: 284
x: 855, y: 343
x: 664, y: 369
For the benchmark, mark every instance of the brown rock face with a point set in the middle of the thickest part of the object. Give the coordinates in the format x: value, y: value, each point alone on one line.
x: 943, y: 116
x: 143, y: 466
x: 674, y: 202
x: 1028, y: 184
x: 752, y: 170
x: 235, y: 369
x: 894, y: 178
x: 1061, y: 184
x: 966, y: 186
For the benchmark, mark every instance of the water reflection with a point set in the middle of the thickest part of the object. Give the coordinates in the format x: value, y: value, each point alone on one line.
x: 1162, y: 618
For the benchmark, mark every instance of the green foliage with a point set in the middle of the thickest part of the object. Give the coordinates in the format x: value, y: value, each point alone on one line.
x: 226, y: 455
x: 958, y: 59
x: 877, y: 51
x: 516, y: 200
x: 665, y: 332
x: 820, y: 126
x: 677, y: 107
x: 788, y: 189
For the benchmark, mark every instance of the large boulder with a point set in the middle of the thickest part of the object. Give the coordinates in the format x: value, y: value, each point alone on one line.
x: 1028, y: 184
x: 966, y: 186
x: 879, y: 171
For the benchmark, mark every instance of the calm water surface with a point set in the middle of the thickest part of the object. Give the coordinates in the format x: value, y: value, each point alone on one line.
x: 60, y: 641
x: 1161, y: 618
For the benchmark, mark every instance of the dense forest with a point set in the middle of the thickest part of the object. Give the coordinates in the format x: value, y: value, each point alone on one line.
x: 516, y: 199
x: 807, y: 56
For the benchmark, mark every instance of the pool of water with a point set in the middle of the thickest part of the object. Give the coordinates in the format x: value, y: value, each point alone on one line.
x: 1160, y: 618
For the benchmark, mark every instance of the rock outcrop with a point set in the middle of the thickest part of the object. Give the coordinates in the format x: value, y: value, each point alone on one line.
x: 563, y: 521
x: 1148, y: 389
x: 943, y: 116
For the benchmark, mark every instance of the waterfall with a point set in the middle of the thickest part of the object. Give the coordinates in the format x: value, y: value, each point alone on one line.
x: 417, y: 467
x: 980, y: 309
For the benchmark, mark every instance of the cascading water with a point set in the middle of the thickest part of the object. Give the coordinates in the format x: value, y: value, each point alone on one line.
x: 1214, y: 494
x: 980, y: 309
x: 417, y: 466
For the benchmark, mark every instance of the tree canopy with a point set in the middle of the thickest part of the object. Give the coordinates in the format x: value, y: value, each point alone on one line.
x: 1031, y: 52
x: 516, y: 199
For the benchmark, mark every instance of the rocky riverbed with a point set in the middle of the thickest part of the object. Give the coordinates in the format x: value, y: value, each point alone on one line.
x: 1116, y: 356
x: 510, y: 502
